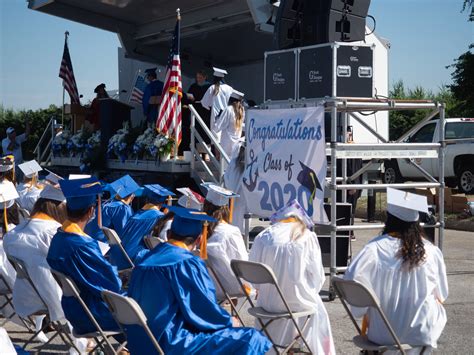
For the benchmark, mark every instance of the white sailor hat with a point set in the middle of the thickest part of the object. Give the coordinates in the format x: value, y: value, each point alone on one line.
x: 217, y: 195
x: 52, y: 193
x: 405, y: 205
x: 7, y: 191
x: 292, y: 209
x: 30, y: 168
x: 237, y: 95
x: 220, y: 73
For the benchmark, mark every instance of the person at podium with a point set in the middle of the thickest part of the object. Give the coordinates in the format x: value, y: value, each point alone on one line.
x: 152, y: 96
x: 94, y: 117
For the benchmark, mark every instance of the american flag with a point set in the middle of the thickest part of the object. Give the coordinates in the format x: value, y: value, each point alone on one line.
x: 66, y: 73
x: 169, y: 114
x: 138, y: 89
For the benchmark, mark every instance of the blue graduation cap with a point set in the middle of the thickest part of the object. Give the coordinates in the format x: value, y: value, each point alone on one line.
x: 125, y: 186
x: 157, y: 193
x: 80, y: 193
x: 187, y: 222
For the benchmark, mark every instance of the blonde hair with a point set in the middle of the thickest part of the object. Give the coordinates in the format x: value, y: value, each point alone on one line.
x: 239, y: 114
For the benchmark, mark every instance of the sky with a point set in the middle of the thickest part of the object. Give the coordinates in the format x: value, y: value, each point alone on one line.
x: 425, y: 37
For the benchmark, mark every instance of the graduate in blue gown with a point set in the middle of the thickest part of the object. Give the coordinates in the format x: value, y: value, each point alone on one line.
x: 140, y: 225
x: 75, y: 254
x: 117, y: 211
x: 153, y: 89
x: 178, y: 297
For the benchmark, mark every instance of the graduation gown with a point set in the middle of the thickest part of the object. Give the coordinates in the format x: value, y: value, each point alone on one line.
x: 233, y: 176
x: 411, y: 300
x: 78, y: 256
x: 216, y: 103
x: 154, y: 88
x: 115, y: 215
x: 9, y: 274
x: 298, y: 267
x: 30, y: 242
x: 28, y: 195
x: 137, y: 227
x: 178, y: 298
x: 225, y: 244
x: 230, y: 135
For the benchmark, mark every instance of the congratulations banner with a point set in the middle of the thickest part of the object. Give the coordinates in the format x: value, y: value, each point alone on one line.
x: 286, y: 160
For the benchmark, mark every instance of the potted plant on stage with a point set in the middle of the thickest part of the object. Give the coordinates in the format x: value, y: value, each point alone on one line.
x: 144, y: 141
x: 59, y: 144
x: 117, y: 146
x: 77, y: 144
x: 164, y: 146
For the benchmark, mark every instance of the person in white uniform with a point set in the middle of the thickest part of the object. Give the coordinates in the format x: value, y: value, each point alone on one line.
x: 408, y: 275
x: 225, y: 241
x: 217, y: 97
x: 29, y: 190
x: 292, y: 251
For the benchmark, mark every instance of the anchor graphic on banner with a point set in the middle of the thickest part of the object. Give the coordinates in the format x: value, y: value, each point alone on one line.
x: 253, y: 182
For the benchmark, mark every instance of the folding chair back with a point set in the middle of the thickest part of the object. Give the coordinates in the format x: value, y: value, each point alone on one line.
x: 357, y: 295
x: 255, y: 273
x: 114, y: 239
x: 126, y: 311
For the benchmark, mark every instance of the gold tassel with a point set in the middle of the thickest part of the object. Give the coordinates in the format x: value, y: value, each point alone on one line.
x: 231, y: 210
x: 5, y: 218
x: 203, y: 244
x: 99, y: 212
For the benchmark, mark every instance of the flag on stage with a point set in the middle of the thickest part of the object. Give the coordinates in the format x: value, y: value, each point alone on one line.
x: 66, y: 73
x: 138, y: 89
x: 169, y: 114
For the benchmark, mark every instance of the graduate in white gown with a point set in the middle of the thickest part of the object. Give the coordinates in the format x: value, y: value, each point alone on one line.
x: 290, y: 248
x: 225, y: 241
x: 408, y: 275
x: 230, y: 123
x: 217, y: 97
x: 30, y: 189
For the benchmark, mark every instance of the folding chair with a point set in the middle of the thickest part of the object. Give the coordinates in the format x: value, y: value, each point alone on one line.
x: 114, y: 239
x: 151, y: 242
x: 70, y: 289
x: 228, y: 297
x: 258, y: 273
x: 60, y: 330
x: 7, y: 292
x: 357, y: 295
x: 126, y: 311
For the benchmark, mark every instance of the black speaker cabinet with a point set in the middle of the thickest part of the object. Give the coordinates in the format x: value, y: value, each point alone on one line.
x: 335, y: 70
x: 280, y: 75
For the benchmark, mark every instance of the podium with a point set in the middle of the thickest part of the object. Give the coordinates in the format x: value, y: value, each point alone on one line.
x: 78, y: 115
x: 113, y: 114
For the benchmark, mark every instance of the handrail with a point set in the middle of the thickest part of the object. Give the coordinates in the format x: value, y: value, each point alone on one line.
x: 43, y: 135
x: 38, y: 151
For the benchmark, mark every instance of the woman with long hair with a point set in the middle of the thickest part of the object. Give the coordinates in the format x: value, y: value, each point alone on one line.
x: 408, y: 275
x: 230, y: 123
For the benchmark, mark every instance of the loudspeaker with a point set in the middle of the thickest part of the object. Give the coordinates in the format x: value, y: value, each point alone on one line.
x: 307, y: 22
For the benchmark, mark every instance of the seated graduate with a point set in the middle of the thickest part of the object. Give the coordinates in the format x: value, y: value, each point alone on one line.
x: 178, y: 297
x: 292, y: 250
x: 225, y: 241
x: 140, y: 225
x: 117, y: 211
x: 408, y: 275
x: 7, y: 176
x: 29, y: 190
x: 77, y: 255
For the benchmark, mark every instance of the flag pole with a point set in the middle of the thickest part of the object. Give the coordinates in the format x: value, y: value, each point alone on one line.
x: 176, y: 136
x: 66, y: 35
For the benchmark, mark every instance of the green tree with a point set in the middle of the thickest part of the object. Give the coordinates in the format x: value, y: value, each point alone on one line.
x: 469, y: 7
x: 463, y: 83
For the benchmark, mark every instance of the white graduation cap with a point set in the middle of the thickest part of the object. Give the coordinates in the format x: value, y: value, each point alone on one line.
x: 190, y: 199
x: 52, y: 193
x: 52, y: 177
x: 78, y: 176
x: 237, y: 95
x: 220, y: 73
x: 217, y: 195
x: 405, y: 205
x: 30, y: 168
x: 292, y: 209
x: 7, y: 191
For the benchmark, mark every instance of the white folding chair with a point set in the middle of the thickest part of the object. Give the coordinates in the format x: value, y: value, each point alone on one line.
x: 126, y: 311
x: 7, y: 293
x: 355, y: 294
x: 151, y: 242
x: 60, y: 329
x: 258, y: 274
x: 114, y: 239
x: 227, y: 296
x: 70, y: 289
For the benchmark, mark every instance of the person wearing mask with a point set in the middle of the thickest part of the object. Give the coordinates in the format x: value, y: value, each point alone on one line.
x: 94, y: 117
x: 115, y: 212
x: 78, y: 256
x: 140, y: 225
x: 152, y: 96
x: 292, y: 251
x: 11, y: 145
x: 230, y: 123
x: 225, y: 241
x: 408, y: 275
x: 216, y: 98
x: 186, y: 319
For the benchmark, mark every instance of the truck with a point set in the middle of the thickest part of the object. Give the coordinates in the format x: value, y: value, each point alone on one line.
x: 459, y: 157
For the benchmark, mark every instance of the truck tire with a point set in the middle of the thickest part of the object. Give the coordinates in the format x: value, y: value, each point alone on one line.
x: 392, y: 173
x: 466, y: 179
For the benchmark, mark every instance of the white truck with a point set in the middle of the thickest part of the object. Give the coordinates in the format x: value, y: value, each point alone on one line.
x: 459, y: 159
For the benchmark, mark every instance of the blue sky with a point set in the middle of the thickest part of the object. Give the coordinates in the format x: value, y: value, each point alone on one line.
x: 426, y: 35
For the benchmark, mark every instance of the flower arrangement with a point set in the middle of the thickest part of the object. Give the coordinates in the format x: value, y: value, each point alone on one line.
x: 77, y: 143
x: 143, y: 142
x: 118, y: 143
x: 59, y: 144
x: 94, y: 141
x: 162, y: 146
